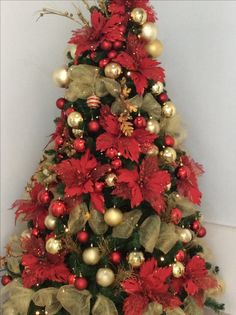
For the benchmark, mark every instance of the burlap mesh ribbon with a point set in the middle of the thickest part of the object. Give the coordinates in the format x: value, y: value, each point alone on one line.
x: 78, y: 218
x: 48, y: 298
x: 167, y: 238
x: 154, y: 309
x: 125, y: 229
x: 104, y: 306
x: 96, y: 221
x: 149, y: 232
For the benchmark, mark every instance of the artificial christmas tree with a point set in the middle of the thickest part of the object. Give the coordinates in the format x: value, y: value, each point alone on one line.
x: 113, y: 210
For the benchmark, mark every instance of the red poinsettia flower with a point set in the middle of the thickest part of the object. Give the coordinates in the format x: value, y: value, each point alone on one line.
x: 148, y: 183
x: 141, y: 67
x: 79, y: 176
x: 122, y: 7
x: 40, y: 266
x: 89, y: 38
x: 150, y: 285
x: 188, y: 187
x: 129, y: 147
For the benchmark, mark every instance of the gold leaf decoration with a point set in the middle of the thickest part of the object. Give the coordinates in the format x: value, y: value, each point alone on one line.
x: 104, y: 306
x: 149, y: 232
x: 126, y: 126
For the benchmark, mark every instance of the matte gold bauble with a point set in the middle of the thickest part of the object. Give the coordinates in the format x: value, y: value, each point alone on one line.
x: 168, y: 110
x: 178, y: 269
x: 74, y: 119
x: 105, y: 277
x: 136, y: 259
x: 113, y: 70
x: 185, y: 236
x: 149, y: 31
x: 158, y: 88
x: 113, y: 216
x: 154, y: 150
x: 60, y: 77
x: 169, y: 155
x: 154, y: 48
x: 53, y: 246
x: 50, y: 222
x: 91, y: 256
x: 153, y: 126
x: 139, y: 15
x: 111, y: 180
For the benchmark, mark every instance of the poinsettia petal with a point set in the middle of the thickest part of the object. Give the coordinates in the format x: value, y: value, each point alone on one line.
x: 129, y: 148
x: 97, y: 200
x: 105, y: 141
x: 128, y: 176
x: 135, y: 304
x: 140, y: 82
x: 126, y: 61
x: 148, y: 267
x: 132, y: 286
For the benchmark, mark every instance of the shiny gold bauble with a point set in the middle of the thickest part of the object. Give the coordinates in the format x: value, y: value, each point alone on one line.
x: 154, y: 150
x: 60, y: 77
x: 158, y: 88
x: 113, y: 216
x: 74, y: 119
x: 50, y: 222
x: 111, y: 179
x: 91, y: 255
x: 139, y: 15
x: 153, y: 126
x: 185, y: 236
x: 169, y: 155
x: 154, y: 48
x: 149, y: 31
x: 136, y: 259
x: 113, y: 70
x: 53, y: 246
x: 169, y: 109
x: 178, y: 269
x: 105, y: 277
x: 77, y: 132
x: 72, y: 50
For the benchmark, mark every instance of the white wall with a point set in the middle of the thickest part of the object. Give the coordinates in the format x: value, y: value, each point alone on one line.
x: 199, y: 58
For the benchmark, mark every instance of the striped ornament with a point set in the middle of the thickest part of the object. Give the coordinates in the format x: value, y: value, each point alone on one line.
x: 93, y: 101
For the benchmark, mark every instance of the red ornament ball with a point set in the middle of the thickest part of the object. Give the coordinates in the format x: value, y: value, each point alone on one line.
x: 116, y: 257
x: 93, y: 126
x: 81, y: 283
x: 79, y: 145
x: 117, y: 44
x: 111, y: 153
x: 169, y: 141
x: 176, y: 215
x: 6, y: 279
x: 82, y: 237
x: 69, y: 111
x: 112, y: 54
x: 59, y: 141
x: 35, y: 232
x: 201, y: 232
x: 92, y: 55
x: 117, y: 163
x: 180, y: 256
x: 98, y: 187
x: 106, y: 45
x: 122, y: 29
x: 163, y: 97
x: 44, y: 197
x: 103, y: 62
x: 196, y: 225
x: 71, y: 279
x: 183, y: 172
x: 140, y: 122
x: 57, y: 208
x: 60, y: 103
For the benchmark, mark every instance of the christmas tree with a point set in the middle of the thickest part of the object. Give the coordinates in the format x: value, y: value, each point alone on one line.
x: 113, y: 209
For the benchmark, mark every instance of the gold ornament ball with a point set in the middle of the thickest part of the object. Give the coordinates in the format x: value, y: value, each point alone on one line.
x: 74, y: 119
x: 153, y: 126
x: 111, y: 180
x: 153, y: 151
x: 139, y: 15
x: 154, y: 48
x: 105, y: 277
x: 149, y: 31
x: 158, y: 88
x: 113, y: 70
x: 185, y: 236
x: 50, y: 222
x: 60, y: 77
x: 113, y: 216
x: 169, y: 155
x: 136, y: 259
x: 77, y: 132
x: 178, y: 269
x: 169, y: 109
x: 91, y: 256
x: 53, y: 246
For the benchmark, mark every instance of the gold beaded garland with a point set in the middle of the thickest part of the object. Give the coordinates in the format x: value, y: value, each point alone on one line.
x: 168, y: 110
x: 91, y: 255
x: 113, y: 216
x: 60, y: 77
x: 139, y: 15
x: 136, y: 259
x: 74, y: 119
x: 105, y: 277
x: 113, y: 70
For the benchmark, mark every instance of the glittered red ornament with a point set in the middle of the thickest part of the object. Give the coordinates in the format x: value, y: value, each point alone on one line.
x: 82, y: 237
x: 111, y: 153
x: 57, y: 208
x: 106, y: 45
x: 163, y: 97
x: 180, y: 256
x: 93, y: 126
x: 117, y: 163
x: 116, y: 257
x: 103, y: 62
x: 196, y: 225
x: 176, y: 215
x: 69, y: 111
x: 92, y: 55
x: 201, y: 232
x: 44, y: 197
x: 79, y: 145
x: 183, y: 172
x: 169, y: 141
x: 122, y: 29
x: 112, y: 54
x: 98, y: 186
x: 60, y: 103
x: 59, y: 141
x: 81, y: 283
x: 35, y: 232
x: 117, y: 44
x: 6, y: 279
x: 140, y: 122
x: 71, y: 279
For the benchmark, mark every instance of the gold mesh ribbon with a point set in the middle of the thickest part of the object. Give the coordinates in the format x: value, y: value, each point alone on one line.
x: 173, y: 127
x: 47, y: 298
x: 191, y: 307
x: 149, y: 232
x: 125, y: 229
x: 104, y: 306
x: 167, y: 238
x: 175, y: 311
x: 78, y: 218
x: 13, y: 258
x: 154, y: 309
x: 96, y: 221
